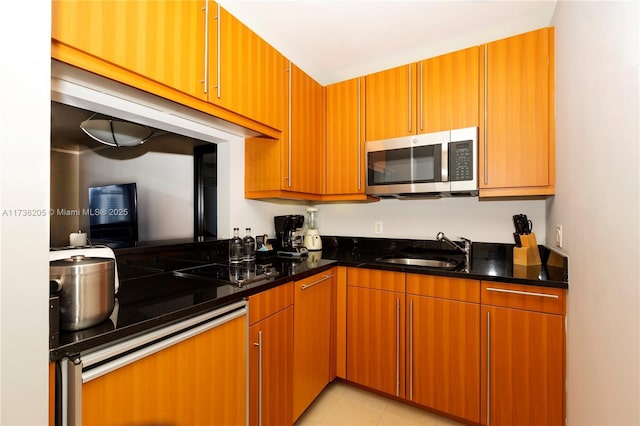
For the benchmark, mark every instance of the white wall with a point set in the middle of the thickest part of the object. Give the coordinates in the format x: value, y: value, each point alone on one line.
x: 25, y: 38
x: 597, y: 192
x: 486, y: 221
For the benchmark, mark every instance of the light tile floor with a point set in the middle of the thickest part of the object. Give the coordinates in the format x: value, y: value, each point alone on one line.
x: 346, y: 405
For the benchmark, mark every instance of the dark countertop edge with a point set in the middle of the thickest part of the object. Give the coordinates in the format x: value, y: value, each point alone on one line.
x: 96, y: 342
x: 455, y: 274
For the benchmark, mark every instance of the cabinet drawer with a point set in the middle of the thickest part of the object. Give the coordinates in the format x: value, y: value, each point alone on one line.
x: 269, y: 302
x: 373, y: 278
x: 520, y: 296
x: 444, y: 287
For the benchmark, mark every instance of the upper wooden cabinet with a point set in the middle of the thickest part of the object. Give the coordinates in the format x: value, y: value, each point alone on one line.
x: 161, y: 40
x: 246, y: 74
x: 436, y: 94
x: 191, y: 52
x: 294, y: 166
x: 391, y: 103
x: 304, y: 153
x: 449, y: 91
x: 517, y: 148
x: 345, y: 139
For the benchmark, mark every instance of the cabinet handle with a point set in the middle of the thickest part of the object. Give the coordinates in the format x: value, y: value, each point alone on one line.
x: 397, y: 347
x: 288, y: 178
x: 306, y: 286
x: 259, y: 345
x: 218, y: 19
x: 206, y: 47
x: 488, y: 366
x: 523, y: 293
x: 421, y: 104
x: 411, y: 350
x: 409, y: 93
x: 486, y: 113
x: 359, y: 154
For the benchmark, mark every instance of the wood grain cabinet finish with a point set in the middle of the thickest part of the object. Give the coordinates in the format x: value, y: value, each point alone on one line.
x: 443, y: 345
x: 312, y: 338
x: 345, y: 140
x: 190, y: 52
x: 247, y: 75
x: 201, y: 380
x: 517, y: 149
x: 271, y: 357
x: 391, y: 103
x: 523, y: 355
x: 449, y: 91
x: 436, y: 94
x: 163, y: 41
x: 293, y: 166
x: 376, y: 330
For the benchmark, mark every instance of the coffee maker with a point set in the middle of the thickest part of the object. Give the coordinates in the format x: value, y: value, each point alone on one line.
x: 289, y: 235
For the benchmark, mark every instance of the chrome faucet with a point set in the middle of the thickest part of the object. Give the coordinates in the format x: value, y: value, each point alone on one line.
x: 466, y: 250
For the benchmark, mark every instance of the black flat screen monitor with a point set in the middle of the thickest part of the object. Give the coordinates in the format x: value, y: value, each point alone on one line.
x: 113, y: 215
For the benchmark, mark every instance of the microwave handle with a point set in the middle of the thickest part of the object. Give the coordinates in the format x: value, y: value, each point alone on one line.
x: 444, y: 161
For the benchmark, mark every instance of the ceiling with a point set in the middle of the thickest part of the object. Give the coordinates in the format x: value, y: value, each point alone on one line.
x: 334, y: 40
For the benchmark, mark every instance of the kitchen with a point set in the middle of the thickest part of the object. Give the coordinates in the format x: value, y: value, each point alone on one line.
x: 579, y: 124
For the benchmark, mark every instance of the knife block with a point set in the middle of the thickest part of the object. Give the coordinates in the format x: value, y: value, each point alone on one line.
x: 528, y: 254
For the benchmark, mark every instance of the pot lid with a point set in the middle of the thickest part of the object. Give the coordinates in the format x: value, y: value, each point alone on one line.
x: 80, y: 264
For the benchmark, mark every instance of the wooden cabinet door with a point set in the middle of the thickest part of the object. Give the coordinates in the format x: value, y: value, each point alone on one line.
x: 304, y: 147
x: 443, y: 355
x: 270, y: 370
x: 522, y: 367
x: 375, y: 339
x: 345, y: 137
x: 160, y: 40
x: 311, y: 339
x: 391, y: 103
x: 247, y: 75
x: 449, y: 91
x: 517, y: 155
x: 201, y: 380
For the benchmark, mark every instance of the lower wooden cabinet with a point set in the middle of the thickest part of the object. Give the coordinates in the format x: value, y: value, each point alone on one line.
x: 271, y: 356
x: 376, y: 330
x: 443, y: 346
x: 311, y: 338
x: 201, y: 380
x: 523, y: 355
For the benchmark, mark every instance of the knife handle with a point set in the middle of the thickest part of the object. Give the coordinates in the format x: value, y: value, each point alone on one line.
x: 516, y: 237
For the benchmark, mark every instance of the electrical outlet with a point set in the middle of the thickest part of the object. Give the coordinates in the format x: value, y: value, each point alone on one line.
x: 378, y: 227
x: 559, y: 235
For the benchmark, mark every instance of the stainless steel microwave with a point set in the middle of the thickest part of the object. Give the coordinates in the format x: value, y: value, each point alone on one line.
x: 433, y: 164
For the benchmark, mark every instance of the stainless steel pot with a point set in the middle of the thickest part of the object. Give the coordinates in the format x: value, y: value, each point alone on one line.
x: 87, y: 290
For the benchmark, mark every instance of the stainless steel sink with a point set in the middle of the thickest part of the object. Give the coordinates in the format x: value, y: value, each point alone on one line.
x: 433, y: 263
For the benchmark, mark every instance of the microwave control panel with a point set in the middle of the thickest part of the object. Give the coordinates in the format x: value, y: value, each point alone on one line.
x: 461, y: 161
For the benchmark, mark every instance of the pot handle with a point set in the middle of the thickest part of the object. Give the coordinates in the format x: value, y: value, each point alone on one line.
x: 55, y: 285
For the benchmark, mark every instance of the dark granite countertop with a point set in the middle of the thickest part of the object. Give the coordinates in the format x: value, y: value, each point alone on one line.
x: 489, y: 261
x: 151, y: 296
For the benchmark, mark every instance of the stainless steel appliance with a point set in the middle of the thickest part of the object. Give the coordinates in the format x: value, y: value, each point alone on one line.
x: 433, y: 164
x: 289, y: 235
x: 86, y: 281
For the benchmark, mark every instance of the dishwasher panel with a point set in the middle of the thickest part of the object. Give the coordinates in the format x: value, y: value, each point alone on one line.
x: 171, y: 379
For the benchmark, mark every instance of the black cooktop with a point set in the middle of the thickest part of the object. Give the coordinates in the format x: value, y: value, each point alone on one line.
x: 240, y: 274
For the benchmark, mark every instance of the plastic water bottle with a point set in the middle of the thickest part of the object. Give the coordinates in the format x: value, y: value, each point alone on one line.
x: 235, y: 247
x: 249, y: 247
